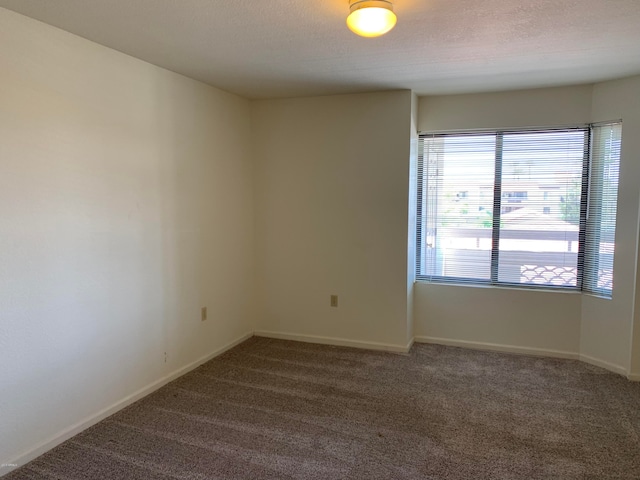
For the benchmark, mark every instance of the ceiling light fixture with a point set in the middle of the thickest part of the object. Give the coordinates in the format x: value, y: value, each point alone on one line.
x: 371, y: 18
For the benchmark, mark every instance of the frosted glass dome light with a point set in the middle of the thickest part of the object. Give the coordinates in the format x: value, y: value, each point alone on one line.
x: 371, y: 18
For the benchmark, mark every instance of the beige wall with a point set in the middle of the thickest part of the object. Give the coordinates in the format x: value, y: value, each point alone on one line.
x: 538, y: 320
x: 331, y: 192
x: 515, y: 319
x: 607, y: 324
x: 126, y: 205
x: 519, y: 108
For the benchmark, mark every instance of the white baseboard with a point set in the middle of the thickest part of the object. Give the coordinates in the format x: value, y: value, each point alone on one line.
x: 606, y: 365
x: 496, y: 347
x: 410, y: 344
x: 538, y: 352
x: 66, y: 434
x: 340, y: 342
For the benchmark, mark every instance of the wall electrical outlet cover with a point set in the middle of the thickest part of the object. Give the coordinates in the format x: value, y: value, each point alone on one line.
x: 334, y: 300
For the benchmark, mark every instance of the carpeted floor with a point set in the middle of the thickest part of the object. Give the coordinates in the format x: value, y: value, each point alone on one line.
x: 272, y: 409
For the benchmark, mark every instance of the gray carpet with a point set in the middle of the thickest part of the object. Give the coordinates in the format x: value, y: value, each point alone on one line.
x: 272, y: 409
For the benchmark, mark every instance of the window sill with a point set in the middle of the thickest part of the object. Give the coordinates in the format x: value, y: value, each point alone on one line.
x: 509, y: 287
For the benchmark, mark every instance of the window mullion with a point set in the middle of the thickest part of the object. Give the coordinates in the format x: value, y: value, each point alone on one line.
x: 497, y: 206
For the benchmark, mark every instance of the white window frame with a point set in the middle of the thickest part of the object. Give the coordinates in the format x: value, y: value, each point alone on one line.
x: 586, y: 202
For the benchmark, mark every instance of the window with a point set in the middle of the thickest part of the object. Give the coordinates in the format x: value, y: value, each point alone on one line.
x: 606, y: 141
x: 533, y: 208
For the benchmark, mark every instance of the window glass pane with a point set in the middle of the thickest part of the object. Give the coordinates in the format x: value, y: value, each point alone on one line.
x: 601, y: 219
x: 540, y: 211
x: 459, y: 178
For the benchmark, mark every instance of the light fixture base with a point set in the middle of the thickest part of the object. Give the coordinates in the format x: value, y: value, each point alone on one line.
x: 358, y: 4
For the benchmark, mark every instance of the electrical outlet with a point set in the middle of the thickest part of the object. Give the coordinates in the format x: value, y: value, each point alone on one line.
x: 334, y: 300
x: 203, y: 314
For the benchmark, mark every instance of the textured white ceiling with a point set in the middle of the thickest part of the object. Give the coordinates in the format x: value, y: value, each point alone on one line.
x: 284, y: 48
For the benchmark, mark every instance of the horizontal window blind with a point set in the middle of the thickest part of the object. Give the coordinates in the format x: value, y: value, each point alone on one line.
x: 602, y: 208
x: 513, y: 207
x: 541, y: 185
x: 457, y: 183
